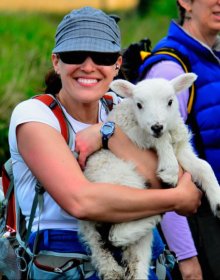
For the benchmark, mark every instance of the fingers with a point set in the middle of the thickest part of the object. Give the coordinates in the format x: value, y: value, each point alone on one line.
x: 186, y: 177
x: 189, y: 195
x: 81, y: 156
x: 82, y: 160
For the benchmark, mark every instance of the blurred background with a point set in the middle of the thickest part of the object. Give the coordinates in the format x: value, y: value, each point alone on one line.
x: 27, y: 29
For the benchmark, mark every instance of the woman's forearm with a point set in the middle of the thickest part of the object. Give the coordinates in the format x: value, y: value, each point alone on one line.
x: 114, y: 203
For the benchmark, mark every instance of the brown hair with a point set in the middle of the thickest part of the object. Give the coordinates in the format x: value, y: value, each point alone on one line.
x: 181, y: 12
x: 52, y: 82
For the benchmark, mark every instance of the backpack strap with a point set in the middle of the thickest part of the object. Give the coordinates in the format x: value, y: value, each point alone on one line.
x: 109, y: 100
x: 38, y: 201
x: 8, y: 217
x: 53, y: 104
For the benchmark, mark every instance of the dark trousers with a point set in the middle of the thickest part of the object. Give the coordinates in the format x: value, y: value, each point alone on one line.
x: 205, y: 228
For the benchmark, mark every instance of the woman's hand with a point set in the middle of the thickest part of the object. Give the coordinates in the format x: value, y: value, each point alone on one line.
x: 189, y: 196
x: 87, y: 142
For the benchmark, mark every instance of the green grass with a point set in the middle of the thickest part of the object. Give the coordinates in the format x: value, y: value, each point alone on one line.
x: 26, y: 43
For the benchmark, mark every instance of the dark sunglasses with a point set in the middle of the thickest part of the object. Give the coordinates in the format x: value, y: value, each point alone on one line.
x: 105, y: 59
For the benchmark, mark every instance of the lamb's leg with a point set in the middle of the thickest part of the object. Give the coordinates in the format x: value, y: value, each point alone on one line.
x: 202, y: 174
x: 137, y: 257
x: 168, y: 166
x: 125, y: 234
x: 101, y: 258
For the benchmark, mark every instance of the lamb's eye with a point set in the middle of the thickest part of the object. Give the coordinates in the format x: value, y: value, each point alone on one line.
x: 170, y: 102
x: 139, y: 105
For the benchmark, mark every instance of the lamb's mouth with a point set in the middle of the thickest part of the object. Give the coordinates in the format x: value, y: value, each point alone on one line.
x: 157, y: 135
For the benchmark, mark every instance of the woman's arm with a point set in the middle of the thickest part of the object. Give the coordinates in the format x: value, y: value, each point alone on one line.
x: 49, y: 158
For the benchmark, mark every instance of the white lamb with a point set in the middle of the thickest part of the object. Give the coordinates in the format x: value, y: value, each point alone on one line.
x: 149, y: 115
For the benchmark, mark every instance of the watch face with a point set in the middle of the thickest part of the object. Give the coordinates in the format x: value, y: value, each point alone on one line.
x: 107, y: 129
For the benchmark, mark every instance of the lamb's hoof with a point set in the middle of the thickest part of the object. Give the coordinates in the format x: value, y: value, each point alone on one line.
x: 117, y: 242
x: 114, y: 275
x: 117, y: 238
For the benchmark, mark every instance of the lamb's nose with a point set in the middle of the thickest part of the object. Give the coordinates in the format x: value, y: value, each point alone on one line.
x: 157, y: 129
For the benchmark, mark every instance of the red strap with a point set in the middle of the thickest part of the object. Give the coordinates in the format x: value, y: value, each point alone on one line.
x: 53, y: 105
x: 11, y: 214
x: 109, y: 101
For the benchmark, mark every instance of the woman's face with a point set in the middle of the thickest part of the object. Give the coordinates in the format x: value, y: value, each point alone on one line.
x: 205, y: 16
x: 85, y: 82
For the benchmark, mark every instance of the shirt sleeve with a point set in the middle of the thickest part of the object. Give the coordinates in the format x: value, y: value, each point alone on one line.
x: 178, y: 235
x: 31, y: 110
x: 175, y: 227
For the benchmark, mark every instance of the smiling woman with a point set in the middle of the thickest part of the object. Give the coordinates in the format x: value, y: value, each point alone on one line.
x: 77, y: 85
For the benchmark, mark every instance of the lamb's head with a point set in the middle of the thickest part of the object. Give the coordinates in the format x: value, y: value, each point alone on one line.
x: 155, y: 102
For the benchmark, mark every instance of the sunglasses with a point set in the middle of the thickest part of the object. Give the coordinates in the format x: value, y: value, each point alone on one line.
x: 105, y: 59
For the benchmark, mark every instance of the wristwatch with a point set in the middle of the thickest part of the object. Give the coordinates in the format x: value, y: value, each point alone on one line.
x: 107, y: 130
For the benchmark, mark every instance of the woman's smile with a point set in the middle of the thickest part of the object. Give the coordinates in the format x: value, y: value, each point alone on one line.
x: 87, y: 81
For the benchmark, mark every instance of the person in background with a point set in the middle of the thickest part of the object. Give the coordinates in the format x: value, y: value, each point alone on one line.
x: 195, y: 37
x: 86, y: 58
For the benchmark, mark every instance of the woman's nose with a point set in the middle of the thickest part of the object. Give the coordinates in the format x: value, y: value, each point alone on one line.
x: 88, y: 65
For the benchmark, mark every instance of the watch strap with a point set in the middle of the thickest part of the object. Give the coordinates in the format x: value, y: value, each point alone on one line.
x: 105, y: 142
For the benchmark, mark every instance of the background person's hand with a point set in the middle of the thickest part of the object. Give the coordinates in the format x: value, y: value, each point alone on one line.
x: 190, y: 269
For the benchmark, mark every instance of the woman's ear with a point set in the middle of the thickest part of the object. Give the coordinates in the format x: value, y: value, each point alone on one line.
x: 186, y: 4
x: 55, y: 60
x: 118, y: 65
x: 119, y: 61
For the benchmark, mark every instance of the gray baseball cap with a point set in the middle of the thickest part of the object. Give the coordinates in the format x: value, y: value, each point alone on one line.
x: 87, y: 29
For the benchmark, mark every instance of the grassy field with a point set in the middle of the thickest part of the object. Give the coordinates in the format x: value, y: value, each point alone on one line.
x: 26, y: 43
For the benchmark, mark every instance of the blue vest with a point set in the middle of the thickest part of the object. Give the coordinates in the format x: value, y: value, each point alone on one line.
x: 205, y: 116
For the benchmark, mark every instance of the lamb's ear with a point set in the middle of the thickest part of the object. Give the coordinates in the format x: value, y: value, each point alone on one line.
x: 183, y: 81
x: 122, y: 88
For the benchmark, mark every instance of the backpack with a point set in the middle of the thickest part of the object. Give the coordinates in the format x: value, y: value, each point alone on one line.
x: 14, y: 236
x: 138, y: 59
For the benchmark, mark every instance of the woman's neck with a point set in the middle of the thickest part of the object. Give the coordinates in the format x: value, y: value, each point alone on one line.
x: 207, y: 38
x: 82, y: 112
